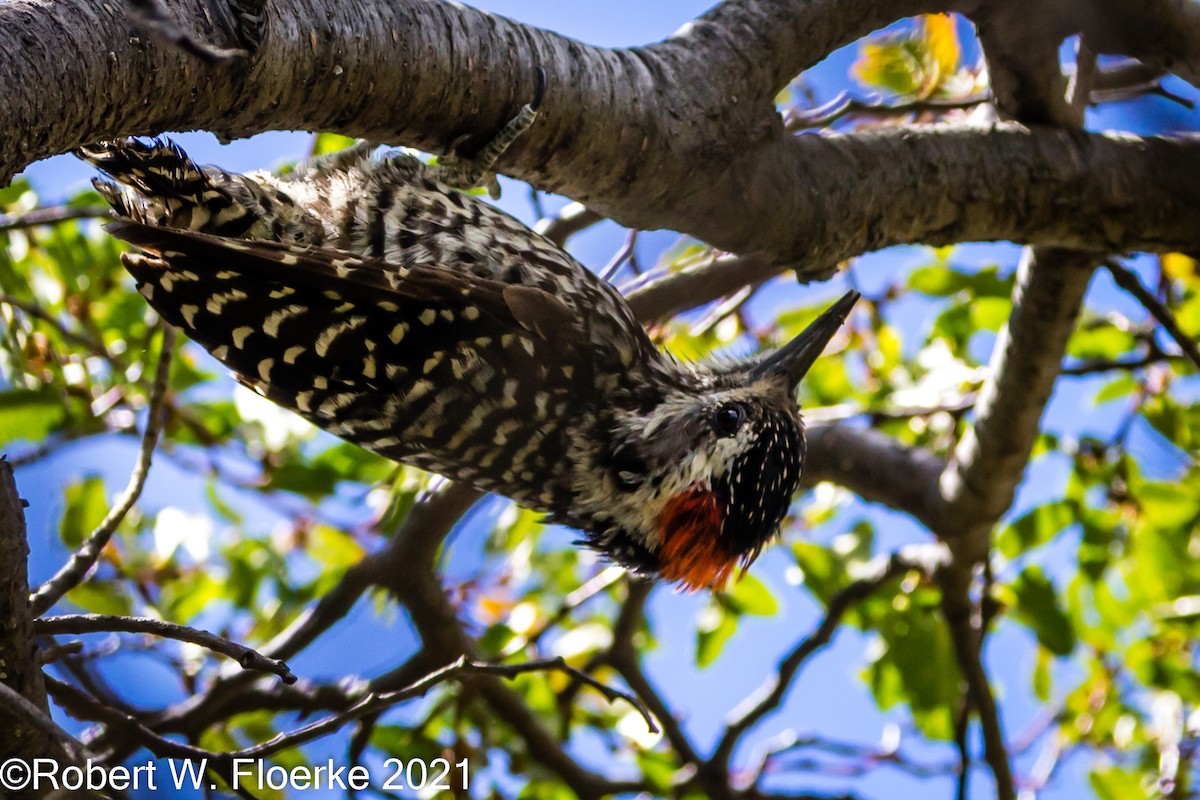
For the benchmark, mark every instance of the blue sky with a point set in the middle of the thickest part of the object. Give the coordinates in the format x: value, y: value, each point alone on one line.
x: 829, y: 698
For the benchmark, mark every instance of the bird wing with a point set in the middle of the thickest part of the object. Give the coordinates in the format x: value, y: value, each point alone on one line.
x: 460, y: 374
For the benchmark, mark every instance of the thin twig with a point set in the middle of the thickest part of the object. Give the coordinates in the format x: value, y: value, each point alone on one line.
x: 46, y: 449
x: 83, y: 706
x: 50, y: 215
x: 844, y: 105
x: 844, y: 411
x: 560, y: 664
x: 962, y: 726
x: 1102, y: 365
x: 1128, y: 280
x: 37, y: 312
x: 74, y: 571
x: 610, y: 270
x: 375, y: 702
x: 19, y: 706
x: 771, y: 693
x: 594, y: 586
x: 246, y: 657
x: 54, y: 652
x: 622, y: 656
x: 868, y: 758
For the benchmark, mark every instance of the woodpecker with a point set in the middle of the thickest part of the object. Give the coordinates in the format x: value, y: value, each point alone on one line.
x: 380, y: 303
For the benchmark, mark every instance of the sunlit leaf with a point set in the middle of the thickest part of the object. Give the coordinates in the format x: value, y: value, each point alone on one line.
x: 325, y: 143
x: 1035, y: 604
x: 1035, y: 527
x: 941, y: 37
x: 1114, y: 783
x: 30, y: 414
x: 85, y: 506
x: 714, y: 630
x: 101, y: 597
x: 1122, y: 386
x: 749, y: 595
x: 889, y: 64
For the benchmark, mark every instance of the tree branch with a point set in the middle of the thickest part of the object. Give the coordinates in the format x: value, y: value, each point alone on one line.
x: 765, y: 45
x: 980, y: 481
x: 650, y: 136
x: 51, y: 215
x: 20, y: 666
x: 1128, y: 280
x: 38, y: 719
x: 246, y: 657
x: 958, y: 611
x: 768, y: 696
x: 75, y: 570
x: 407, y: 571
x: 876, y: 467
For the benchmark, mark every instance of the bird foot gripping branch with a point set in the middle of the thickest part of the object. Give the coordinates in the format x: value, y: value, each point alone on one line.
x: 373, y: 299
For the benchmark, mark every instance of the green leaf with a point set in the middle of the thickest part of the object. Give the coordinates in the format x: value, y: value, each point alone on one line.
x: 918, y: 666
x: 1099, y: 342
x: 658, y: 767
x: 1179, y: 424
x: 333, y: 549
x: 13, y: 192
x: 1115, y: 783
x: 1167, y: 505
x: 100, y: 597
x: 751, y: 596
x: 990, y: 313
x: 325, y: 143
x: 184, y: 599
x: 712, y: 634
x: 1043, y: 675
x: 30, y: 415
x: 1035, y: 604
x: 85, y: 507
x: 937, y: 281
x: 1035, y: 527
x: 823, y: 573
x: 1121, y: 387
x: 889, y: 63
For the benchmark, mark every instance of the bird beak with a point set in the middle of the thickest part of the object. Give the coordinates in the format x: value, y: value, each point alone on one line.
x: 794, y: 359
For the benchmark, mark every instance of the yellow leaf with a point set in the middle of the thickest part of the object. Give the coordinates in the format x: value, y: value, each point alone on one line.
x: 890, y: 64
x: 941, y: 37
x: 1178, y: 267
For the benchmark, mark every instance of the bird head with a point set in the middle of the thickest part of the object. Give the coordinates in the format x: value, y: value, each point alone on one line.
x: 703, y: 479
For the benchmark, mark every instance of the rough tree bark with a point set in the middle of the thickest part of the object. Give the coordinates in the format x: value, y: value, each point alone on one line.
x: 20, y: 663
x: 681, y: 134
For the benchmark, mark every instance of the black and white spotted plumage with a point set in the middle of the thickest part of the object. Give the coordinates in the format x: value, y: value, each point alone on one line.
x: 417, y: 321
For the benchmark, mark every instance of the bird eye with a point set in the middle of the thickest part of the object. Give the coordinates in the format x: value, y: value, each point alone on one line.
x: 728, y: 418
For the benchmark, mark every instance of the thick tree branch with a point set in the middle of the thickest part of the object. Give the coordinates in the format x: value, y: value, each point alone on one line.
x: 29, y: 717
x: 766, y: 44
x: 1162, y: 33
x: 979, y: 483
x: 876, y: 467
x: 20, y: 666
x: 651, y: 137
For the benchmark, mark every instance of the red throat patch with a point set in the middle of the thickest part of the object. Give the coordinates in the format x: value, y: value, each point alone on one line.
x: 692, y: 551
